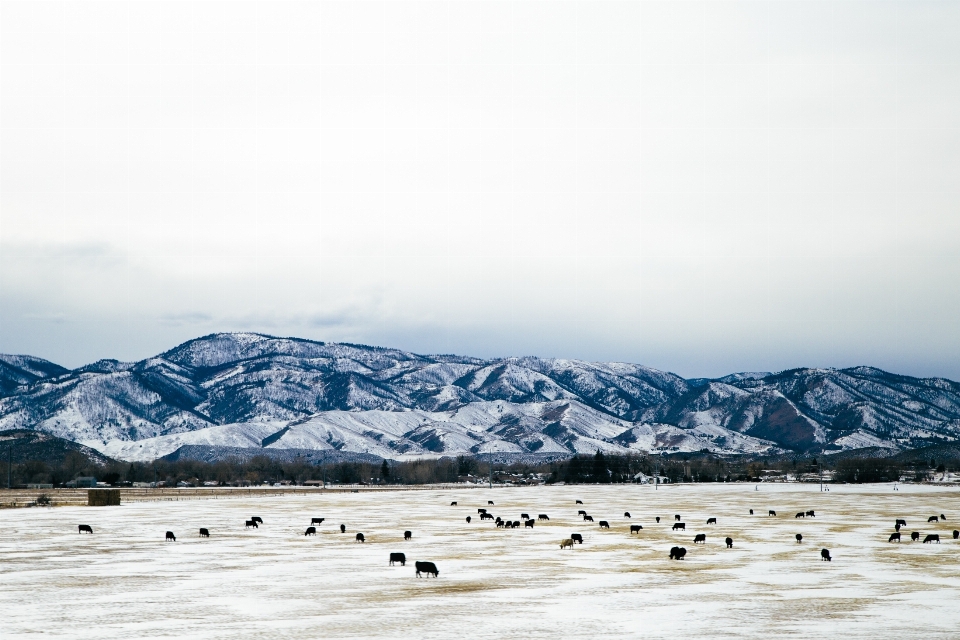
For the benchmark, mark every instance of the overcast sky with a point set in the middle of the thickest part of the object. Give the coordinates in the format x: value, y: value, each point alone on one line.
x: 699, y: 187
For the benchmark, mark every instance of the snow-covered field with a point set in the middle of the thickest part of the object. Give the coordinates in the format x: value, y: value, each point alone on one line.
x: 126, y: 582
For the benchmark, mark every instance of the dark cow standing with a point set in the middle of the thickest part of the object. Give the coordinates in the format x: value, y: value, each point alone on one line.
x: 825, y: 555
x: 481, y: 510
x: 398, y: 557
x: 581, y: 512
x: 204, y: 533
x: 933, y: 537
x: 588, y: 518
x: 811, y: 514
x: 311, y: 531
x: 360, y: 538
x: 635, y: 528
x: 677, y: 517
x: 751, y: 511
x: 901, y: 523
x: 894, y: 536
x: 800, y: 515
x: 250, y: 523
x: 771, y: 513
x: 486, y: 516
x: 956, y: 534
x: 658, y: 519
x: 170, y: 536
x: 84, y: 527
x: 700, y: 537
x: 915, y: 536
x: 489, y: 502
x: 943, y: 517
x: 524, y: 516
x: 427, y: 568
x: 576, y: 537
x: 677, y: 553
x: 453, y: 504
x: 604, y: 524
x: 468, y: 519
x: 579, y: 501
x: 932, y: 519
x: 515, y: 525
x: 257, y: 519
x: 679, y: 525
x: 711, y: 521
x: 407, y: 535
x: 343, y: 528
x: 528, y: 523
x: 799, y: 538
x: 897, y: 528
x: 626, y: 514
x: 316, y: 520
x: 543, y: 516
x: 729, y: 542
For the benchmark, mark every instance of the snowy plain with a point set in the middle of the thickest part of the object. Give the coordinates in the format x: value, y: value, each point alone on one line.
x: 125, y: 581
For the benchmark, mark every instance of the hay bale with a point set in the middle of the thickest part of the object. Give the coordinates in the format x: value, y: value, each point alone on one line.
x: 103, y: 497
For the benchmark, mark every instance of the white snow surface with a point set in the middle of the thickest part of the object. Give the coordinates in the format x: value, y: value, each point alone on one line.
x: 125, y: 581
x: 245, y: 434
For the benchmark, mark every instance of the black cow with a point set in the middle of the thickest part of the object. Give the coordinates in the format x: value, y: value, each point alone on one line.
x: 311, y: 531
x: 902, y: 523
x: 897, y: 527
x: 343, y: 528
x: 711, y: 521
x: 677, y: 517
x: 677, y: 553
x: 751, y: 511
x: 894, y: 536
x: 204, y: 533
x: 635, y: 528
x: 800, y: 515
x: 427, y: 568
x: 956, y: 534
x: 452, y: 504
x: 481, y: 510
x: 811, y: 514
x: 626, y: 514
x: 943, y: 517
x: 360, y: 538
x: 825, y: 555
x: 499, y: 524
x: 407, y: 535
x: 588, y: 518
x: 581, y: 512
x: 515, y: 525
x: 771, y: 513
x: 658, y: 519
x: 528, y: 523
x: 799, y: 538
x: 486, y: 516
x: 543, y: 516
x: 933, y: 519
x: 489, y: 502
x: 468, y: 519
x: 933, y: 537
x: 398, y: 557
x: 524, y: 516
x: 170, y: 536
x: 250, y: 523
x: 579, y: 501
x: 679, y: 525
x: 316, y: 520
x: 257, y: 519
x: 576, y: 537
x: 729, y: 542
x: 604, y: 524
x: 84, y: 527
x: 915, y: 536
x: 700, y: 537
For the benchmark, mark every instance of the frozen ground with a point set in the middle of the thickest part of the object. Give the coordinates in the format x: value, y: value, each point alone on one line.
x: 126, y: 582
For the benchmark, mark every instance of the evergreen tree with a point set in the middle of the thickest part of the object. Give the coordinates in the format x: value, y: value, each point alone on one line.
x: 600, y: 473
x: 385, y: 471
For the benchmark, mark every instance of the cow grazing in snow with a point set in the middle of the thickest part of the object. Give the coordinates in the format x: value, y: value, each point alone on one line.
x: 825, y: 555
x: 398, y: 557
x: 427, y: 568
x: 635, y: 528
x: 700, y: 537
x: 84, y: 527
x: 677, y: 553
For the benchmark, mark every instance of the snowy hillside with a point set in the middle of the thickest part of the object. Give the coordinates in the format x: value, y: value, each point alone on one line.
x: 252, y: 391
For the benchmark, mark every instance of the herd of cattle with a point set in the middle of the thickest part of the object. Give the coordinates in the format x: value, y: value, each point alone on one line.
x: 676, y: 553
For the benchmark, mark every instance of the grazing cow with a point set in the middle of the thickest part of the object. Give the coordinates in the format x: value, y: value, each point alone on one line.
x: 481, y: 510
x: 897, y: 527
x: 811, y: 514
x: 658, y: 519
x: 468, y: 519
x: 311, y: 531
x: 581, y: 512
x: 677, y: 553
x: 576, y: 537
x: 751, y: 511
x: 486, y: 516
x: 635, y: 528
x: 257, y: 519
x: 799, y: 538
x: 825, y: 555
x: 902, y: 523
x: 528, y: 523
x: 84, y: 527
x: 453, y: 504
x: 800, y: 515
x: 771, y: 513
x: 604, y: 524
x: 489, y: 502
x: 407, y: 535
x: 943, y: 517
x: 933, y: 519
x: 894, y: 536
x: 915, y: 536
x: 360, y: 538
x: 933, y: 537
x: 588, y: 518
x: 204, y: 533
x: 524, y: 516
x: 398, y: 557
x: 250, y: 523
x: 579, y: 501
x: 170, y: 536
x: 567, y: 543
x: 343, y: 528
x: 515, y: 525
x: 316, y: 520
x: 711, y: 521
x: 499, y: 524
x: 499, y: 519
x: 956, y: 534
x: 626, y: 514
x: 677, y: 517
x: 427, y: 568
x: 679, y: 525
x: 543, y: 516
x: 700, y: 537
x: 729, y: 542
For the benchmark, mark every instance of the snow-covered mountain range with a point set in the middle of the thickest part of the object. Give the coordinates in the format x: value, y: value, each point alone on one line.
x: 253, y: 391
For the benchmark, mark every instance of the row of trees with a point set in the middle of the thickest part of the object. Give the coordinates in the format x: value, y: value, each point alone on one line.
x: 598, y: 468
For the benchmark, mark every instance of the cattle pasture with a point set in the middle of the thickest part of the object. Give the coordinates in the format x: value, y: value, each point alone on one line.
x: 273, y: 581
